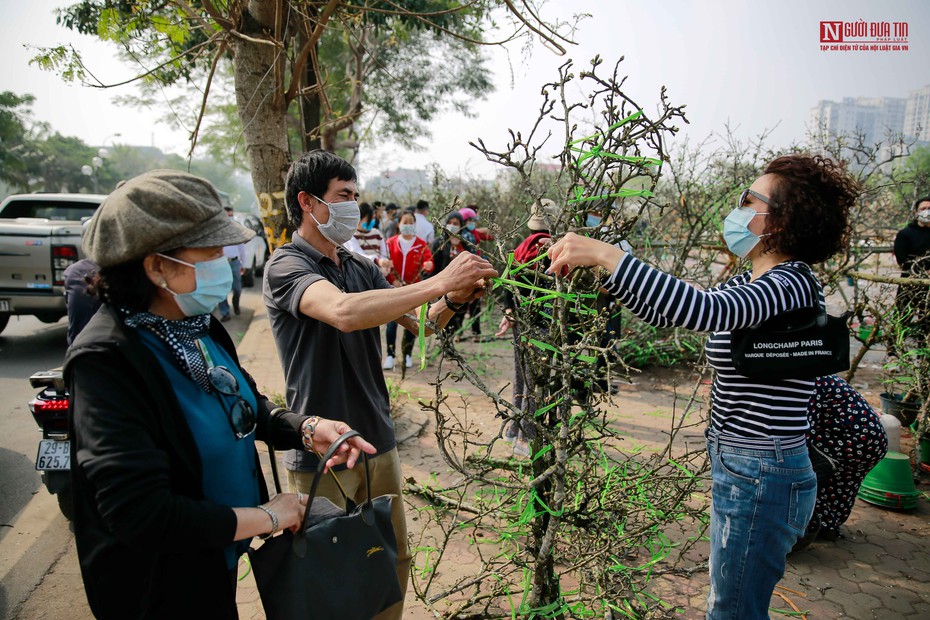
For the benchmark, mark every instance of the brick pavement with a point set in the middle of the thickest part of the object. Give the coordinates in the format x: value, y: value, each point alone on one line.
x: 880, y: 570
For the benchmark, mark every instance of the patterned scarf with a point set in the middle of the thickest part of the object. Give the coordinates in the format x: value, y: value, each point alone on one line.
x: 180, y: 336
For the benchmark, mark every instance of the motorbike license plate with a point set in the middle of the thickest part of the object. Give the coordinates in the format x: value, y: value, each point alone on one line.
x: 53, y: 455
x: 6, y: 305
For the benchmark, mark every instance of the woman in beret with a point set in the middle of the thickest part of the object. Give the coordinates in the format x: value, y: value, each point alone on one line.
x: 168, y: 490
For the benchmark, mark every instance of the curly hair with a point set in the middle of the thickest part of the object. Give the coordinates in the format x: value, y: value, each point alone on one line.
x: 809, y: 207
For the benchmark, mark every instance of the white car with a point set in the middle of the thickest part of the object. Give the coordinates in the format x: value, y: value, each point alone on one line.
x: 256, y: 250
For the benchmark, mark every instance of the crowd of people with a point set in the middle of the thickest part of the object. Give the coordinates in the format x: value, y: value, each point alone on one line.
x: 167, y: 482
x: 406, y: 247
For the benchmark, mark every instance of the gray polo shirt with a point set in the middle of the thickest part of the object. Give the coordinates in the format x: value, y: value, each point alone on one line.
x: 328, y: 373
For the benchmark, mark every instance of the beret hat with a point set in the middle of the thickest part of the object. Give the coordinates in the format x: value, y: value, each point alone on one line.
x: 158, y: 211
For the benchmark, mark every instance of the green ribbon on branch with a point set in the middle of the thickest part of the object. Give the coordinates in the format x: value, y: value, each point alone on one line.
x: 530, y: 287
x: 623, y: 192
x: 421, y: 337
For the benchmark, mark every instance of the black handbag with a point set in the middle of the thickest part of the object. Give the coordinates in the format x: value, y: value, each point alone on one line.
x: 798, y: 344
x: 340, y: 564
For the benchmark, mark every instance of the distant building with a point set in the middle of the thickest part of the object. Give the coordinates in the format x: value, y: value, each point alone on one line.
x: 402, y: 184
x: 876, y: 117
x: 917, y: 114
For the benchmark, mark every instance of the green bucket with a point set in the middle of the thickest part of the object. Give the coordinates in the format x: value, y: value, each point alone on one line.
x: 888, y: 500
x: 890, y: 483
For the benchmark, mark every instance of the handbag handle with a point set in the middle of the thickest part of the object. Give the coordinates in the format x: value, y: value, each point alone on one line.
x: 820, y: 320
x: 319, y: 475
x: 319, y: 472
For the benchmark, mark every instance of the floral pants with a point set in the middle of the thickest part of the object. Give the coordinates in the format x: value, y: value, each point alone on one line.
x: 849, y: 433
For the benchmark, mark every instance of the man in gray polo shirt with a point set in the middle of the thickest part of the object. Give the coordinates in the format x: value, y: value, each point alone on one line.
x: 325, y: 306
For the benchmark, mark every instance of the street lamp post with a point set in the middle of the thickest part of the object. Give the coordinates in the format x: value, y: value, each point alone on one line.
x: 97, y: 162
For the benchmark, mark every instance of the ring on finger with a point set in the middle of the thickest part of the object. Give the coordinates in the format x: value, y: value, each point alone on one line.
x: 300, y: 497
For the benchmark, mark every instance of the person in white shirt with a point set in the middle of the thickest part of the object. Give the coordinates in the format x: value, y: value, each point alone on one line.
x: 424, y: 227
x: 235, y: 254
x: 367, y: 234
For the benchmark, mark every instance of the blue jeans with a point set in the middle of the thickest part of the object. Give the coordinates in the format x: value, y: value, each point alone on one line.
x: 390, y: 338
x: 762, y: 501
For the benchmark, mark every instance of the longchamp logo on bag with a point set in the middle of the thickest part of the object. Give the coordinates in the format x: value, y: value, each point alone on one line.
x: 798, y: 344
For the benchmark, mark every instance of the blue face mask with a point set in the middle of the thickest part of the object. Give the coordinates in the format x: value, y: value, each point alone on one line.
x: 739, y: 239
x: 470, y: 226
x: 214, y: 281
x: 592, y: 220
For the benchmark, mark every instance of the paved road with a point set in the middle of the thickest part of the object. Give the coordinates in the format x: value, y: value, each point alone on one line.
x: 41, y: 535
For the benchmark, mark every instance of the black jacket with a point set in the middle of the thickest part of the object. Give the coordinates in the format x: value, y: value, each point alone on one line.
x: 149, y: 544
x: 910, y: 244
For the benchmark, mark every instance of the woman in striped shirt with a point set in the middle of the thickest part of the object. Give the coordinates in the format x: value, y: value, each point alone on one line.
x: 793, y: 216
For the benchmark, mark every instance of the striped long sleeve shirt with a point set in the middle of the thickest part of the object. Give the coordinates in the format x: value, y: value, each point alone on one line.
x: 747, y: 412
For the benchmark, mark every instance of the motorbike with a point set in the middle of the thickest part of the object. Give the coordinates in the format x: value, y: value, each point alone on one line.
x: 50, y: 411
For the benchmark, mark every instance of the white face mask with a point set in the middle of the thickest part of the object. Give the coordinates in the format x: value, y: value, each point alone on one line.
x: 924, y: 216
x: 343, y: 221
x: 453, y: 228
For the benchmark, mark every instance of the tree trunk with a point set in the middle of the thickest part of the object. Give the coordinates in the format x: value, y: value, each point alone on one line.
x: 259, y: 72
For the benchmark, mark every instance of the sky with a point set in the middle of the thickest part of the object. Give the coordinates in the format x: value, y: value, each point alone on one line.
x: 754, y: 65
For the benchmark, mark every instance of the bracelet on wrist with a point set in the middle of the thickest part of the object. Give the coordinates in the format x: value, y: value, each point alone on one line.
x: 451, y: 305
x: 307, y: 428
x: 274, y: 521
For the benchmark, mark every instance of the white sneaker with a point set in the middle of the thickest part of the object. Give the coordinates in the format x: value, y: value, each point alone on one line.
x: 388, y: 362
x: 408, y: 362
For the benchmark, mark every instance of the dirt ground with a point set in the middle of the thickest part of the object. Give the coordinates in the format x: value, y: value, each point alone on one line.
x: 643, y: 407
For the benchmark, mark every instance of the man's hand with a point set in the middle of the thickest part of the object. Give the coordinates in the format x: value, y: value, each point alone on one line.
x: 469, y: 293
x: 465, y: 277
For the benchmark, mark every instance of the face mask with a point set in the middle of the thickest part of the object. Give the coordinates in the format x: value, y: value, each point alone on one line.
x: 923, y: 216
x: 453, y: 228
x: 470, y: 226
x: 408, y: 229
x: 739, y: 239
x: 343, y: 221
x: 592, y: 220
x: 214, y: 281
